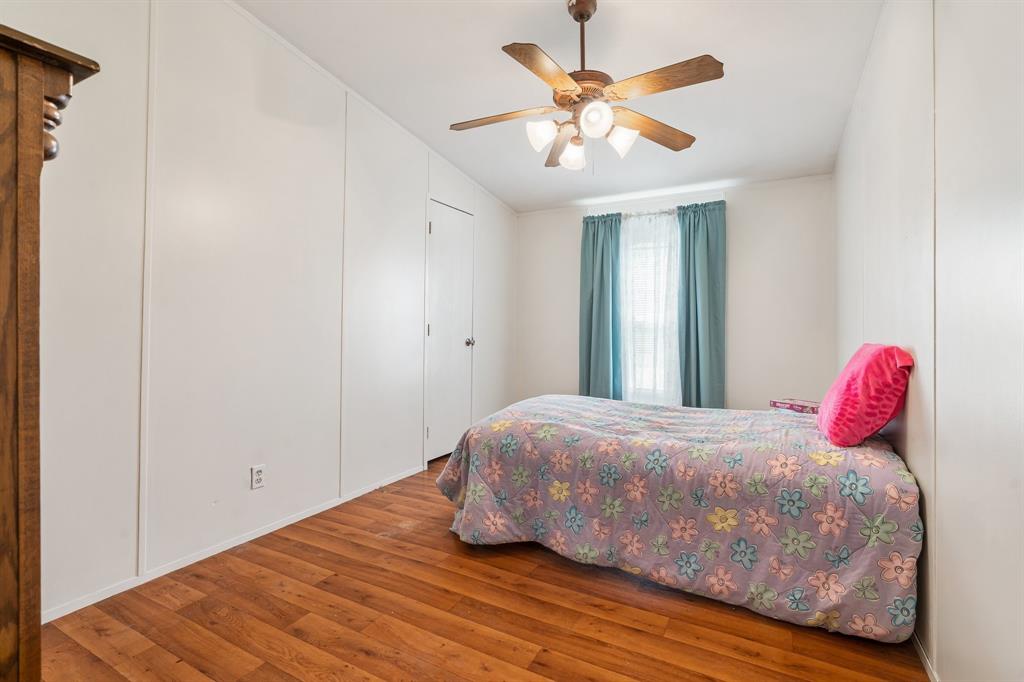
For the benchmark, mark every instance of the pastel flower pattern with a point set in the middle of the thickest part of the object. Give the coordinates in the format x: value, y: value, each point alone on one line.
x: 636, y: 488
x: 762, y: 596
x: 895, y: 567
x: 723, y: 520
x: 854, y: 486
x: 723, y: 484
x: 827, y: 586
x: 791, y: 503
x: 868, y: 626
x: 744, y: 553
x: 826, y: 458
x: 761, y: 521
x: 784, y: 467
x: 684, y: 529
x: 752, y: 508
x: 903, y: 611
x: 797, y: 542
x: 720, y: 582
x: 831, y: 520
x: 689, y: 565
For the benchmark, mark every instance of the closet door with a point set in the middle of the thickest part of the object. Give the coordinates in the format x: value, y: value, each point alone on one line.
x: 449, y: 367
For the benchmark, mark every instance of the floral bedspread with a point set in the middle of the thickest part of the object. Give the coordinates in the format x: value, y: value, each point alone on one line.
x: 754, y: 508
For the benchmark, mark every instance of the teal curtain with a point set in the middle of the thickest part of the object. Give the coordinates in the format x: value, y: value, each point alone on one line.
x: 600, y: 331
x: 702, y: 304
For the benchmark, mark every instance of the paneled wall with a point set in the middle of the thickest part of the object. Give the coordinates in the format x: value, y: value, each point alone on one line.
x: 243, y: 316
x: 884, y: 198
x: 780, y: 310
x: 930, y: 198
x: 385, y: 253
x: 494, y: 311
x: 221, y: 268
x: 978, y: 552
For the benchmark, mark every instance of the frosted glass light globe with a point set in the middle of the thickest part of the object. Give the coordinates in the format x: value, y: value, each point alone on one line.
x: 596, y: 119
x: 541, y: 133
x: 622, y: 139
x: 573, y: 157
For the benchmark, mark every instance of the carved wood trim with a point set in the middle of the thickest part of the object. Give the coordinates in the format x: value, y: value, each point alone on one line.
x: 56, y: 95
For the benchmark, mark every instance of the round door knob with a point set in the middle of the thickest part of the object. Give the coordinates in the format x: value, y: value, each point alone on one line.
x: 469, y: 342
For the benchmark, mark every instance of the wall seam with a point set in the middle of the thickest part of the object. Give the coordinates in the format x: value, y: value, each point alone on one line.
x: 142, y: 499
x: 931, y: 657
x: 341, y: 337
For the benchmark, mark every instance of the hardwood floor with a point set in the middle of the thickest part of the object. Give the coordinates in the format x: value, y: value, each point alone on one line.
x: 377, y: 588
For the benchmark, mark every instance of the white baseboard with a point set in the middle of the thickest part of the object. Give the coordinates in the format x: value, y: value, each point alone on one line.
x: 928, y: 667
x: 109, y: 591
x: 135, y: 581
x: 91, y: 598
x: 351, y: 495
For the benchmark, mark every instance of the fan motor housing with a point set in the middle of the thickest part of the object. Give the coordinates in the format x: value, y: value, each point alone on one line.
x: 591, y: 83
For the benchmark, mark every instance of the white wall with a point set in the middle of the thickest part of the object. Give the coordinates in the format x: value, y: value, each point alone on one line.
x: 494, y: 295
x: 385, y: 252
x: 884, y: 271
x: 780, y: 317
x: 780, y: 307
x: 242, y: 362
x: 978, y: 541
x: 235, y: 142
x: 548, y: 302
x: 930, y: 202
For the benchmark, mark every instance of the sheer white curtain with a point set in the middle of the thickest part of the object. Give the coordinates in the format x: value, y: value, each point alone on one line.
x: 649, y: 255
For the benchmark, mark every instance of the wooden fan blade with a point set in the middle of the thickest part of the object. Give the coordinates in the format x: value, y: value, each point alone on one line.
x: 565, y: 134
x: 536, y: 60
x: 690, y: 72
x: 655, y: 131
x: 488, y: 120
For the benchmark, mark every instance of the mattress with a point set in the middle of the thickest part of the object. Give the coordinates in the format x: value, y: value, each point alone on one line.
x: 753, y: 508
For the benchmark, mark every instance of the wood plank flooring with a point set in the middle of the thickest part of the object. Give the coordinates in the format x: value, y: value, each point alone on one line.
x: 378, y: 588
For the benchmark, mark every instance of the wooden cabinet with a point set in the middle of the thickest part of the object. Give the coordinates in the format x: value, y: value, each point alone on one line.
x: 35, y: 87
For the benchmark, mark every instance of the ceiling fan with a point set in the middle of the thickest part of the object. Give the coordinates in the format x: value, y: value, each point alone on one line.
x: 585, y: 95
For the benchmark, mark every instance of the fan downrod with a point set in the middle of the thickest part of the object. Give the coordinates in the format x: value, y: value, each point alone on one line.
x: 581, y: 11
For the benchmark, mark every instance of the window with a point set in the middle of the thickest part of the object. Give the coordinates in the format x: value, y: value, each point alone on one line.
x: 649, y: 298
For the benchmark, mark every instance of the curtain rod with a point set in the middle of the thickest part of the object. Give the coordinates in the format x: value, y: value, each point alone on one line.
x: 654, y: 205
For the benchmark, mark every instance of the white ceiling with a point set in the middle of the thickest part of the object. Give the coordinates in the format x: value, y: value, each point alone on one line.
x: 791, y: 72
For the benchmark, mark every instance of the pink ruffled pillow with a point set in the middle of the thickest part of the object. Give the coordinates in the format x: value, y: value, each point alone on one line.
x: 866, y: 395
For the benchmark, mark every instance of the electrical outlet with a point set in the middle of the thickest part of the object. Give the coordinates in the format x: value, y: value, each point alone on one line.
x: 256, y: 476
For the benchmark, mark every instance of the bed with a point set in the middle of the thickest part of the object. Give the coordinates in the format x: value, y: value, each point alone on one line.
x: 753, y: 508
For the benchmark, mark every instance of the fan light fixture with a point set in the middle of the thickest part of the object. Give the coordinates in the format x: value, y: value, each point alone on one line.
x: 621, y: 139
x: 596, y: 119
x: 541, y: 133
x: 573, y: 158
x: 592, y: 99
